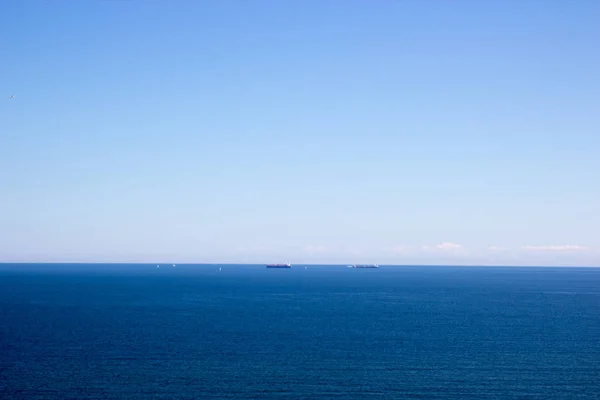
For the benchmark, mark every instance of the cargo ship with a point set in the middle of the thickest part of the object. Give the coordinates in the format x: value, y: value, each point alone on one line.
x: 365, y: 266
x: 287, y: 265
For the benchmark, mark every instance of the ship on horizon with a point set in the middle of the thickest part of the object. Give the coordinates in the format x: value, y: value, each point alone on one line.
x: 286, y: 265
x: 365, y: 266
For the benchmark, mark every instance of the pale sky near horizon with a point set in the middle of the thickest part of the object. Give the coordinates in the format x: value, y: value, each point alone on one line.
x: 401, y: 132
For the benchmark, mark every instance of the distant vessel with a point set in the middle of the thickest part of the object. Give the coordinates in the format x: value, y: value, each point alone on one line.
x: 365, y: 266
x: 288, y: 265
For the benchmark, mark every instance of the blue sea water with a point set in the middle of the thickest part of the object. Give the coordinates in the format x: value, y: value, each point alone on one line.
x: 321, y: 332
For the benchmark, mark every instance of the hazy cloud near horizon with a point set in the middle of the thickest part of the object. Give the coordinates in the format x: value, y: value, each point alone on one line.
x: 445, y: 253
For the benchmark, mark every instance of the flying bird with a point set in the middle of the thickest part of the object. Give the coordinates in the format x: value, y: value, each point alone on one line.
x: 12, y: 96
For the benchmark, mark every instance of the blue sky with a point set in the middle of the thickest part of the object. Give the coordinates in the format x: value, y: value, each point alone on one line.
x: 405, y: 132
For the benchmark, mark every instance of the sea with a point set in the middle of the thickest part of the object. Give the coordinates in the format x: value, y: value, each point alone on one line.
x: 148, y: 331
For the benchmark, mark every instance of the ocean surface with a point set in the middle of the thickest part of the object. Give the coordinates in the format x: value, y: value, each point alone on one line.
x: 320, y: 332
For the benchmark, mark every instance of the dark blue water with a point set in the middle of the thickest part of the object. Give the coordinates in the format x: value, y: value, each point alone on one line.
x: 247, y: 332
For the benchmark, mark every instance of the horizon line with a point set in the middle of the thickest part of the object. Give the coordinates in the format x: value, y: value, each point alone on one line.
x: 302, y: 264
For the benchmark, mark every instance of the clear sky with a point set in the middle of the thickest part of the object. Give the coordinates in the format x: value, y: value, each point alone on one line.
x: 390, y: 131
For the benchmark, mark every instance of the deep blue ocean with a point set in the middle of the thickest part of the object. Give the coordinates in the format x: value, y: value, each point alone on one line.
x: 321, y: 332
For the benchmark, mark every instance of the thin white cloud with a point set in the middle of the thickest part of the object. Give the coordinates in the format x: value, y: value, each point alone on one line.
x: 444, y: 246
x: 441, y: 248
x: 566, y: 247
x: 448, y: 246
